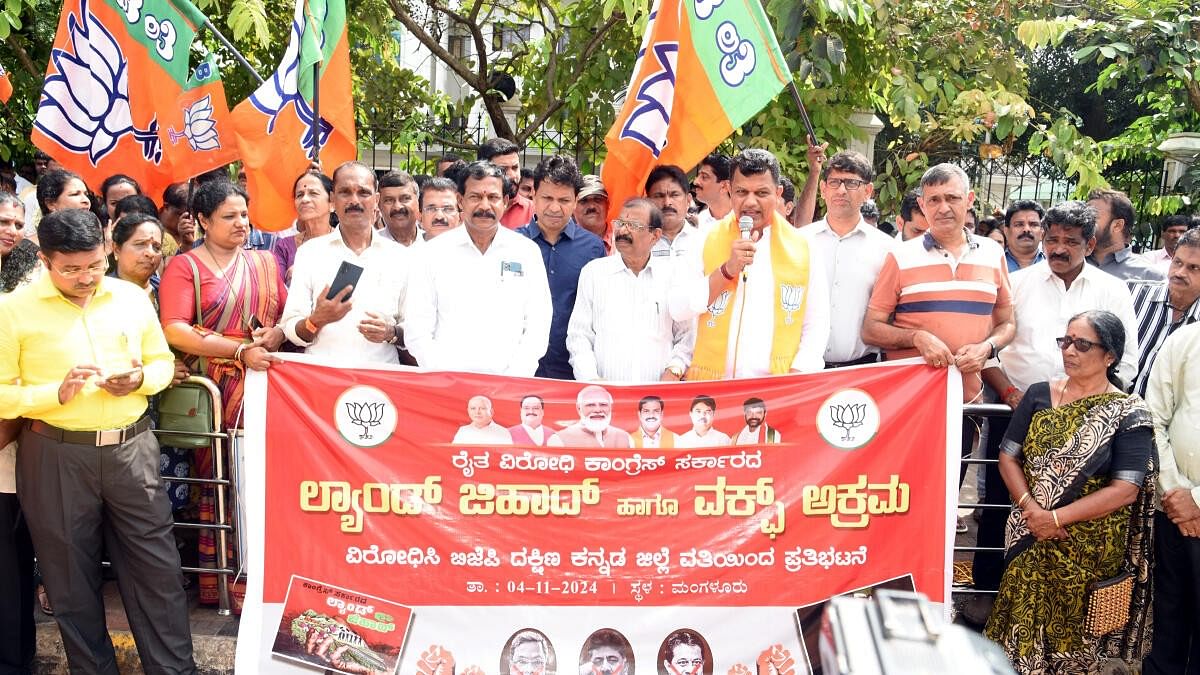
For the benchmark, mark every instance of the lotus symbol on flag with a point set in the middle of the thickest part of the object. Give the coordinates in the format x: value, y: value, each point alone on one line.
x: 281, y: 90
x: 365, y: 415
x: 198, y: 126
x: 847, y: 417
x: 85, y: 103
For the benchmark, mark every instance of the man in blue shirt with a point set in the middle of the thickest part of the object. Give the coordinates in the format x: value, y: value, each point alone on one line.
x: 566, y: 247
x: 1023, y: 234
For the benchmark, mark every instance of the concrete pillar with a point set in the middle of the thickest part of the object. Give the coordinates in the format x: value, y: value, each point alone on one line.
x: 870, y: 125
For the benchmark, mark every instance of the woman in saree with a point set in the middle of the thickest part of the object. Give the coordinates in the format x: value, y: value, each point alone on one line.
x: 314, y: 217
x: 1078, y: 460
x: 241, y: 298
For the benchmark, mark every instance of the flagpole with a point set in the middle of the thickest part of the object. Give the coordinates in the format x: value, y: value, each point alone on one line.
x: 316, y: 123
x: 236, y: 54
x: 812, y: 135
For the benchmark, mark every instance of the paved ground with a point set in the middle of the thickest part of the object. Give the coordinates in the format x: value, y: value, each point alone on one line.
x: 213, y: 636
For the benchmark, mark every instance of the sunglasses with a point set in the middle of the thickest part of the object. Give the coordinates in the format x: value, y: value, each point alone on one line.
x: 1082, y: 346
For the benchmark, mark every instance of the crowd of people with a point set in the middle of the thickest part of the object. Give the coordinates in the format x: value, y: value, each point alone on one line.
x: 489, y: 267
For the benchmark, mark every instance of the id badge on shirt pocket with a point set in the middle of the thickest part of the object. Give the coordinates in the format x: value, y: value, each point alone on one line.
x: 511, y: 269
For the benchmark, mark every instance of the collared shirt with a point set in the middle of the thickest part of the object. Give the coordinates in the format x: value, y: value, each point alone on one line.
x: 385, y: 233
x: 641, y: 439
x: 1160, y: 259
x: 927, y: 288
x: 763, y: 434
x: 851, y: 264
x: 754, y: 311
x: 43, y: 335
x: 1042, y: 306
x: 1152, y: 306
x: 712, y: 439
x: 1126, y: 265
x: 621, y: 328
x: 1173, y: 396
x: 564, y: 260
x: 518, y: 214
x: 492, y: 434
x: 381, y: 289
x: 1014, y: 264
x: 479, y: 312
x: 8, y: 454
x: 687, y: 239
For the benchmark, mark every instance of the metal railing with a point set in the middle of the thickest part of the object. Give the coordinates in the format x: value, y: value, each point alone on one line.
x: 980, y: 410
x: 225, y: 501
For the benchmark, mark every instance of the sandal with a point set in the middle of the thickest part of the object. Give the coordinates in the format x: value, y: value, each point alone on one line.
x: 44, y: 601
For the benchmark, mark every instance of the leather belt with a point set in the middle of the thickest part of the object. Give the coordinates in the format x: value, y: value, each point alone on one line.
x: 94, y: 438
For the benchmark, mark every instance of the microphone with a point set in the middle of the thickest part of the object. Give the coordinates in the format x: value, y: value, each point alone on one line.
x: 745, y: 225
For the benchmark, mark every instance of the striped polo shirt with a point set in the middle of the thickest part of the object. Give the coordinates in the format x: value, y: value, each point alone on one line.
x: 925, y: 288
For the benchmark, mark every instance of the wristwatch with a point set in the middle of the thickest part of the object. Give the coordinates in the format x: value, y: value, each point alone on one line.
x: 995, y: 349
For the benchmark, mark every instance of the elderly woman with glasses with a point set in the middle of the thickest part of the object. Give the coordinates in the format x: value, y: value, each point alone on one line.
x: 1079, y: 463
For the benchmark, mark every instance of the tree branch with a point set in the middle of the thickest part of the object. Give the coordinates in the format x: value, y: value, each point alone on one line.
x: 555, y: 103
x: 434, y: 46
x: 23, y: 56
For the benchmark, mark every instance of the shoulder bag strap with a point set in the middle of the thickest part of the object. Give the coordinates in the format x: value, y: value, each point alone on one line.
x: 199, y: 313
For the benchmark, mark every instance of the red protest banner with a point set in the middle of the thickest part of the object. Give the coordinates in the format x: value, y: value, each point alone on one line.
x: 776, y: 493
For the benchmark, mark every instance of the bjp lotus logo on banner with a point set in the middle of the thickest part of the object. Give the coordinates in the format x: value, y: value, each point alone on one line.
x: 849, y: 419
x: 365, y: 416
x: 85, y: 102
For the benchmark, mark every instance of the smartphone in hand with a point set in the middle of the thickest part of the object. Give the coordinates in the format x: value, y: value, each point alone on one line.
x: 347, y: 275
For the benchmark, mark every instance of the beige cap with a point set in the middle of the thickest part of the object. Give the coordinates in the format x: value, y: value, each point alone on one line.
x: 592, y: 186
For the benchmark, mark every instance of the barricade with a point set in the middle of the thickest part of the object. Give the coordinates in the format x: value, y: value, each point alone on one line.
x: 980, y: 410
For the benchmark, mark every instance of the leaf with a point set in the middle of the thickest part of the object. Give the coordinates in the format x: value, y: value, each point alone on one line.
x: 1108, y: 52
x: 1082, y: 54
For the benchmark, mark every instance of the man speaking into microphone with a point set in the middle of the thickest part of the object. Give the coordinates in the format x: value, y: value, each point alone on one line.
x: 760, y: 296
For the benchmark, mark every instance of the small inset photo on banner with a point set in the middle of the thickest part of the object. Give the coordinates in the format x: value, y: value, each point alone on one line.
x: 339, y: 630
x: 809, y: 617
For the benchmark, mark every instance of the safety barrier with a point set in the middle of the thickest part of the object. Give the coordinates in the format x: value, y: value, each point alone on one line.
x: 988, y: 410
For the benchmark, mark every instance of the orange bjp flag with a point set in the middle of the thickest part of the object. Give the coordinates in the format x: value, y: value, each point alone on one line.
x: 275, y: 125
x: 5, y: 86
x: 117, y: 71
x: 704, y: 68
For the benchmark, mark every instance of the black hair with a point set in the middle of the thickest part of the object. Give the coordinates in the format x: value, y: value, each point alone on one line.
x: 115, y: 180
x: 869, y: 209
x: 704, y: 398
x: 356, y: 165
x: 19, y: 262
x: 495, y: 147
x: 479, y: 170
x: 326, y: 181
x: 756, y: 161
x: 721, y: 165
x: 985, y: 226
x: 51, y: 186
x: 436, y: 184
x: 70, y: 231
x: 526, y: 173
x: 651, y: 208
x: 451, y: 157
x: 560, y: 170
x: 1119, y: 206
x: 651, y: 399
x: 754, y: 401
x: 1177, y: 220
x: 849, y: 161
x: 454, y: 172
x: 209, y: 196
x: 1072, y: 214
x: 789, y: 189
x: 1190, y: 239
x: 1111, y: 333
x: 8, y: 197
x: 129, y: 222
x: 176, y: 195
x: 974, y: 216
x: 667, y: 171
x: 1025, y: 205
x: 395, y: 178
x: 682, y: 636
x: 218, y: 174
x: 539, y: 398
x: 910, y: 204
x: 138, y: 203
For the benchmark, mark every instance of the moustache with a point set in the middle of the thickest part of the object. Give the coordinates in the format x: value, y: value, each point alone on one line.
x: 440, y: 222
x: 354, y: 208
x: 625, y: 238
x: 1025, y: 235
x: 589, y: 210
x: 483, y: 214
x: 1060, y: 257
x: 669, y: 209
x: 402, y: 211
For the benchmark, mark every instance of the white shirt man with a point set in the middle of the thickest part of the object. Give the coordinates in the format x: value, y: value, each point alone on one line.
x: 853, y: 253
x: 478, y: 299
x: 621, y: 328
x: 482, y: 430
x: 364, y: 328
x: 702, y: 433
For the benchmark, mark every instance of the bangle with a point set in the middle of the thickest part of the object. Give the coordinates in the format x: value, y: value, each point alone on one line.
x: 237, y: 353
x: 1021, y: 501
x: 312, y: 327
x: 1055, y: 514
x: 725, y: 273
x: 395, y: 339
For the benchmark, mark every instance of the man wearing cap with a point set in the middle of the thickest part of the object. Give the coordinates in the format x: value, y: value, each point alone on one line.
x: 591, y: 211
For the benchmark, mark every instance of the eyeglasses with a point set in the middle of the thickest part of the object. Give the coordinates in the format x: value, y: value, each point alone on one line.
x: 850, y: 183
x: 688, y: 663
x: 631, y: 224
x: 91, y: 270
x: 431, y: 210
x: 1082, y: 346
